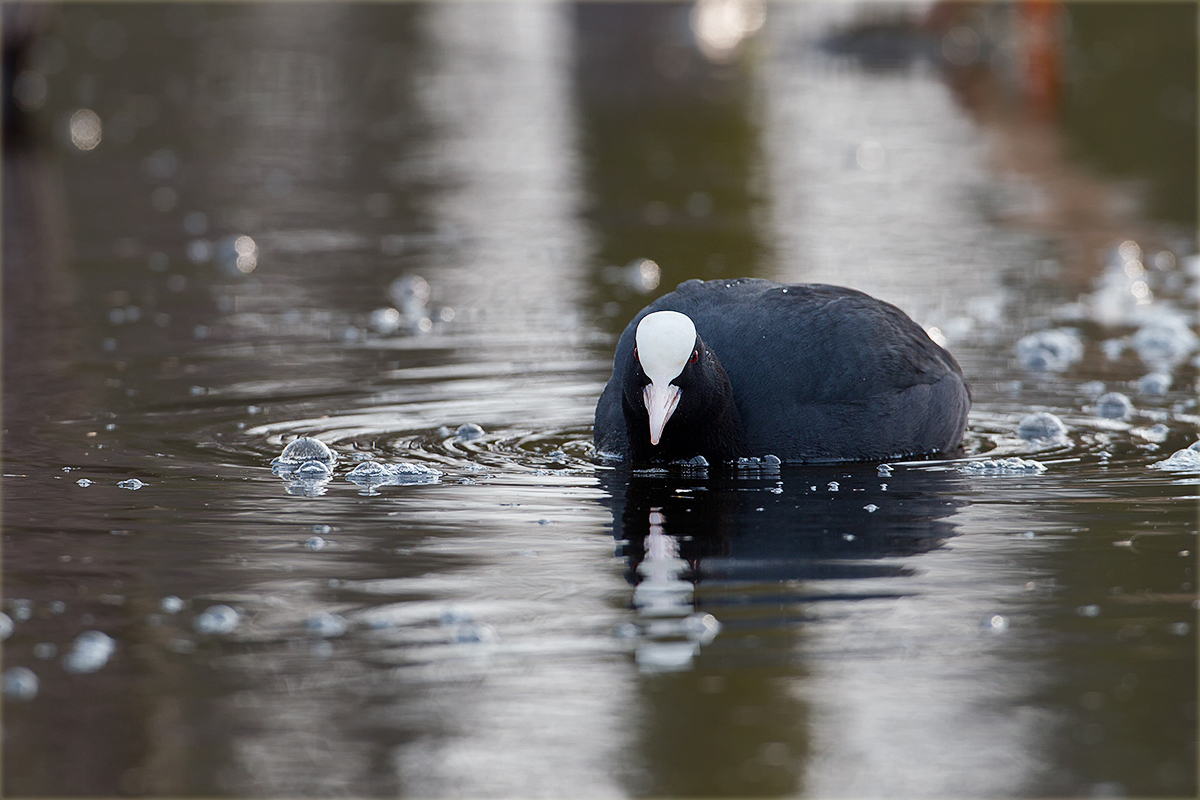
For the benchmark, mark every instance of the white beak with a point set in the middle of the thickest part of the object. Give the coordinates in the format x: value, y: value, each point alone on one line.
x: 660, y: 403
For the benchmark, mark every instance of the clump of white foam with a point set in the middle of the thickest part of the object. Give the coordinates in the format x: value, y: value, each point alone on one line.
x: 1052, y: 350
x: 1003, y: 466
x: 1164, y: 342
x: 1186, y: 460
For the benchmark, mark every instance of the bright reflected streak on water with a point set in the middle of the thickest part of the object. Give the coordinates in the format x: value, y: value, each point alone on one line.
x: 879, y: 706
x: 847, y: 140
x: 891, y: 146
x: 505, y: 147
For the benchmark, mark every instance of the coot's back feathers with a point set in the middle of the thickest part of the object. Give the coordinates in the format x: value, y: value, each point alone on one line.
x: 818, y: 372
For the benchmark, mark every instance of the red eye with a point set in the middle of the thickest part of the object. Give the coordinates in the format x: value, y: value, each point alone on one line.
x: 695, y: 356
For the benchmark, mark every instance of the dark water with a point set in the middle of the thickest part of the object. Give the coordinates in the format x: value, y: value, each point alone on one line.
x: 535, y: 623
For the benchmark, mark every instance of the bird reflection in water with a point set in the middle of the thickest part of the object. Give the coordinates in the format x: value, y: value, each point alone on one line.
x: 728, y: 555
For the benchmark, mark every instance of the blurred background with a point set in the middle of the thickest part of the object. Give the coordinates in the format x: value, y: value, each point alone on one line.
x: 228, y: 224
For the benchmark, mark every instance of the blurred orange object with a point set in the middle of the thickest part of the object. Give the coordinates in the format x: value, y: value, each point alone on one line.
x: 1040, y: 25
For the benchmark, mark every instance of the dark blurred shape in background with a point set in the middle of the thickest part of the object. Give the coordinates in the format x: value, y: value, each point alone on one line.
x: 668, y: 126
x: 1130, y: 98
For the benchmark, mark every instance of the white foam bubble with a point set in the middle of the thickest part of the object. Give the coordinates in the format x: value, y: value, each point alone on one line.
x: 1051, y: 350
x: 19, y: 683
x: 89, y: 652
x: 216, y: 620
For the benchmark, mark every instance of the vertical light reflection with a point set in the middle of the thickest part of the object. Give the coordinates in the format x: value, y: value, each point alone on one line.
x: 941, y: 705
x: 870, y: 169
x: 265, y: 137
x: 268, y: 104
x: 869, y: 173
x: 502, y: 150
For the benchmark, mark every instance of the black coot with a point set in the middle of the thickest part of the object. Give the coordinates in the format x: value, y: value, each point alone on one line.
x: 806, y: 372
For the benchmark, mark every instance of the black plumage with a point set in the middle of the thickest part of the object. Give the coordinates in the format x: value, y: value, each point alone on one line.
x: 806, y: 372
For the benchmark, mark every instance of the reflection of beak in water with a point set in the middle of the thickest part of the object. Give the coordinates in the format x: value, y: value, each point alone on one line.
x: 757, y: 550
x: 664, y: 599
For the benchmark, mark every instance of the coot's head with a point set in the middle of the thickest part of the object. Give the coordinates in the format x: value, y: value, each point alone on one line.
x: 678, y: 401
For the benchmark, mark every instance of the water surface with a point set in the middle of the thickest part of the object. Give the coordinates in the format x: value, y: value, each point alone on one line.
x: 217, y: 275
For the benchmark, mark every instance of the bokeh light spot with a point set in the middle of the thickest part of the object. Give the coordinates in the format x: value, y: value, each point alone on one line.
x: 85, y: 129
x: 247, y: 254
x: 1134, y: 269
x: 720, y: 26
x: 1129, y: 250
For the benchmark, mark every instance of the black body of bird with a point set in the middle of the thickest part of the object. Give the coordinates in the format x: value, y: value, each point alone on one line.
x: 805, y: 372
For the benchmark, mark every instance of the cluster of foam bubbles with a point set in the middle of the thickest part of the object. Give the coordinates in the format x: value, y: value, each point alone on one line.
x: 133, y: 484
x: 1136, y: 290
x: 371, y: 474
x: 1003, y: 466
x: 453, y: 624
x: 1103, y: 420
x: 411, y: 312
x: 305, y: 457
x: 308, y: 464
x: 1163, y: 343
x: 1053, y: 350
x: 371, y: 454
x: 754, y: 462
x: 1150, y: 293
x: 1135, y: 287
x: 1185, y: 460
